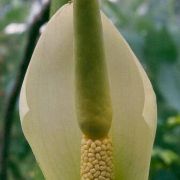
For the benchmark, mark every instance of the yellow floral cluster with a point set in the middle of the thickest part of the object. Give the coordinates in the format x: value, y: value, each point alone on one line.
x: 96, y: 159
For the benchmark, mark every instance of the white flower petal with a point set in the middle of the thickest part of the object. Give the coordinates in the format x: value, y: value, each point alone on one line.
x: 134, y: 108
x: 47, y: 104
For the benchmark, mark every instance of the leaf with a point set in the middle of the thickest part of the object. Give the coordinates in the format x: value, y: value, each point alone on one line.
x: 174, y: 121
x: 169, y: 84
x: 166, y: 155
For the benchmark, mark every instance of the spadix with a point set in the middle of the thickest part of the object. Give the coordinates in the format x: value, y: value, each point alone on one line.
x: 47, y: 104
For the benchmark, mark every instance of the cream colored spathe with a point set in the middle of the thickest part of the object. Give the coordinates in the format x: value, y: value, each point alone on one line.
x: 47, y: 104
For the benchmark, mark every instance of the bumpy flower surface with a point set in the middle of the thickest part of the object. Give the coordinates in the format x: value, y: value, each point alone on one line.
x: 96, y: 159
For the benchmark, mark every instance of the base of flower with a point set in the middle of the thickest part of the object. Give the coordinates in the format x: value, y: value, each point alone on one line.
x: 96, y: 159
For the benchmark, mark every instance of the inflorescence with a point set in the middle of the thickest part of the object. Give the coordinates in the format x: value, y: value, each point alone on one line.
x: 96, y: 159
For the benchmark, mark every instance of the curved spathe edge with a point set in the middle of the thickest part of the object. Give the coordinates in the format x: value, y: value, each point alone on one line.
x: 24, y: 108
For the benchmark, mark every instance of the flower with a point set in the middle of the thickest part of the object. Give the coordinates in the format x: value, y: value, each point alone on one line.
x: 48, y: 114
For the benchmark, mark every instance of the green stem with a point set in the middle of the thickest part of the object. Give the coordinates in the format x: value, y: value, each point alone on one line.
x: 55, y: 5
x: 93, y: 102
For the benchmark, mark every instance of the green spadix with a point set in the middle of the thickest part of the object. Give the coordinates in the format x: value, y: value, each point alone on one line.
x: 51, y: 90
x: 93, y: 102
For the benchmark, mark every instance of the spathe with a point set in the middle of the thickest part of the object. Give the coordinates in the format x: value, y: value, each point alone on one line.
x: 47, y: 104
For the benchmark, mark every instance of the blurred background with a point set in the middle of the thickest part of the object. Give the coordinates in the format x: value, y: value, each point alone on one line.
x: 152, y: 28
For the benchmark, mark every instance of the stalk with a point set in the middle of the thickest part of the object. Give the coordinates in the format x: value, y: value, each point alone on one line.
x: 93, y: 102
x: 55, y: 5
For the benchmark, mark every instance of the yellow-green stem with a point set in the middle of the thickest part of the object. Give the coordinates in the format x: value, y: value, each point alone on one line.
x: 55, y: 5
x: 93, y: 102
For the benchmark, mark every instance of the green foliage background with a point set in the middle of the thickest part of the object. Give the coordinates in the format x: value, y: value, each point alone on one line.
x: 152, y: 28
